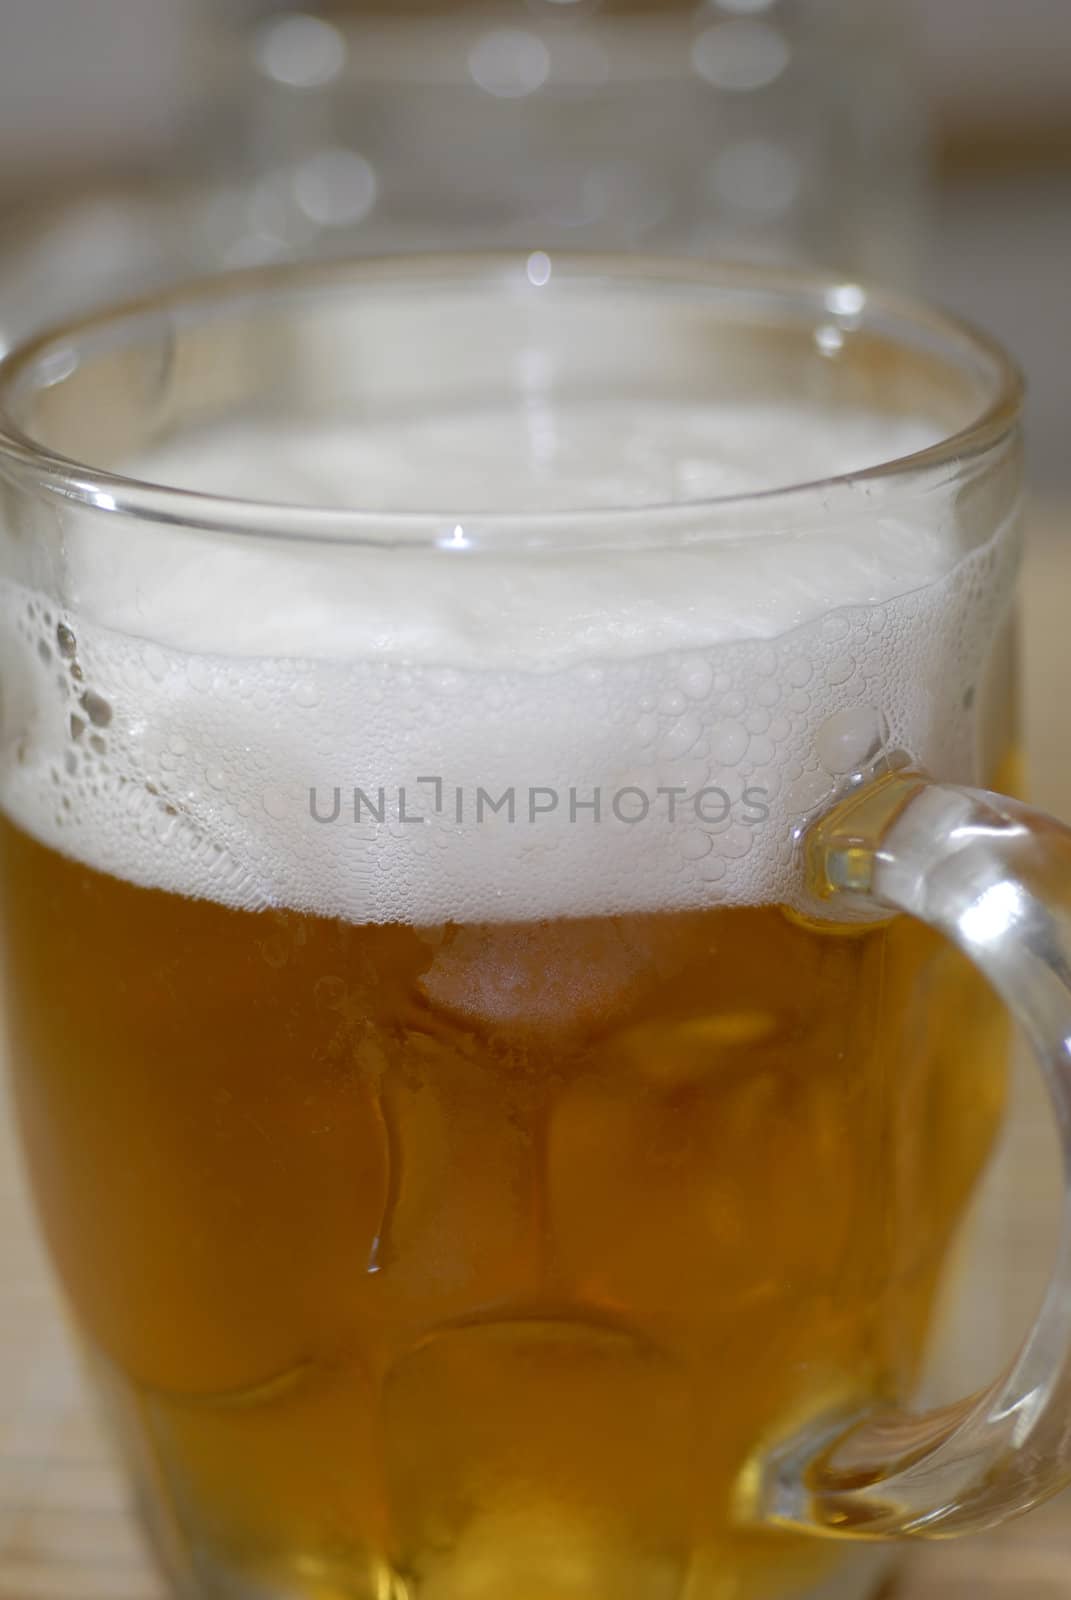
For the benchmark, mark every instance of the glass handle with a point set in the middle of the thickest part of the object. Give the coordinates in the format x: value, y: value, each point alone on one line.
x: 995, y: 878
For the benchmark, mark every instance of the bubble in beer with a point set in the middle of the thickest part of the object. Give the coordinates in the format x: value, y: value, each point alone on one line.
x: 96, y: 708
x: 849, y: 740
x: 696, y: 678
x: 728, y: 742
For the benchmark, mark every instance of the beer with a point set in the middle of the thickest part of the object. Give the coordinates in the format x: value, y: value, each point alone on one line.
x: 459, y: 1197
x: 503, y: 1300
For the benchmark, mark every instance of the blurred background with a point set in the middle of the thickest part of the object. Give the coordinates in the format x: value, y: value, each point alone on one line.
x: 924, y: 143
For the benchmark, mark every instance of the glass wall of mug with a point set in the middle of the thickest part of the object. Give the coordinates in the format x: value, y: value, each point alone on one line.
x: 466, y: 1148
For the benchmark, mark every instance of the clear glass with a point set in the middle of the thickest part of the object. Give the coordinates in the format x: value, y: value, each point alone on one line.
x: 481, y: 1156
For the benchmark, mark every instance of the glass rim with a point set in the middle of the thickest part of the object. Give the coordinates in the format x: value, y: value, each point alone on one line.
x: 851, y: 303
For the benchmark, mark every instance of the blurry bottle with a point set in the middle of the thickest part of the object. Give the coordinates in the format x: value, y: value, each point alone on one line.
x: 752, y: 128
x: 759, y: 129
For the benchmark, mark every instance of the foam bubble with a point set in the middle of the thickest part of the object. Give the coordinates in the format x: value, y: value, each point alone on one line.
x: 430, y: 735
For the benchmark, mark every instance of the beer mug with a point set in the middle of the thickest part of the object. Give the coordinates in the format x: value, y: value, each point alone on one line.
x: 508, y: 928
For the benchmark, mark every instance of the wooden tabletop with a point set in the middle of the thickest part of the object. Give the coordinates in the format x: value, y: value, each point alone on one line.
x: 65, y: 1529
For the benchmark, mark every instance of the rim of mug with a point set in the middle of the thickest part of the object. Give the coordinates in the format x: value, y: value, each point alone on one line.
x: 823, y: 293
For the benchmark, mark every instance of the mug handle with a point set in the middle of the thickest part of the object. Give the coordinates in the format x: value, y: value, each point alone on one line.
x: 994, y: 877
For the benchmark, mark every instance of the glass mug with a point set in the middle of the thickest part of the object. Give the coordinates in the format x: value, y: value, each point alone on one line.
x: 504, y: 981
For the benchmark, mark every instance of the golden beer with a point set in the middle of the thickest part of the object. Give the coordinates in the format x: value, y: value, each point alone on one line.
x: 488, y: 1256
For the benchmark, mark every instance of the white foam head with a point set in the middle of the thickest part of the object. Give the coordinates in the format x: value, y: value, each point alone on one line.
x: 200, y: 712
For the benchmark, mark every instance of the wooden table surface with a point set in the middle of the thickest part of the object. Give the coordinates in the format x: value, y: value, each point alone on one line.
x: 65, y: 1529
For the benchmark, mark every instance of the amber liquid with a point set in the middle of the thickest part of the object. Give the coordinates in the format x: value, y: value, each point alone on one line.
x: 483, y: 1263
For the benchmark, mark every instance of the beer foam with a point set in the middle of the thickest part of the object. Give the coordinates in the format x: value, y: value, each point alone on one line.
x: 468, y: 733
